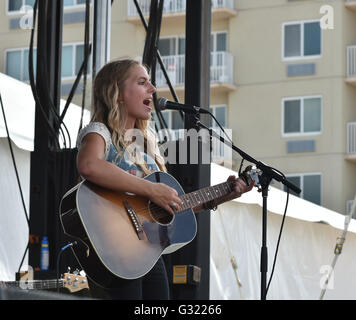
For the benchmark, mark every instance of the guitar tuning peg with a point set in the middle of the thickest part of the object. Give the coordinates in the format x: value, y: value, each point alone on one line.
x: 76, y: 272
x: 68, y: 269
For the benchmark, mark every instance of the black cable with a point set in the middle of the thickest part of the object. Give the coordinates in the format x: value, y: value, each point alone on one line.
x: 87, y: 50
x: 32, y: 81
x: 51, y: 107
x: 221, y: 127
x: 14, y: 161
x: 72, y: 91
x: 59, y: 258
x: 56, y: 118
x: 17, y: 178
x: 240, y: 169
x: 279, y: 239
x: 43, y: 75
x: 23, y: 257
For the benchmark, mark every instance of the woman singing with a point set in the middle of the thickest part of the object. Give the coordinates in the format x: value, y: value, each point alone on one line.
x: 122, y: 102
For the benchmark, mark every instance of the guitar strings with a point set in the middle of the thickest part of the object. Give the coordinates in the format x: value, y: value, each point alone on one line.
x: 37, y: 283
x: 160, y: 212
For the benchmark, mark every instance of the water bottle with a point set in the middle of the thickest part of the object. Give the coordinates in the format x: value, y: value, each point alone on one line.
x: 44, y: 254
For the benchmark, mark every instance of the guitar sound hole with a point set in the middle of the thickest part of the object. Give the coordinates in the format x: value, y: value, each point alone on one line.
x: 160, y: 215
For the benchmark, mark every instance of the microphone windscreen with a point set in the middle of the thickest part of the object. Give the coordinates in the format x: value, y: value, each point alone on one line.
x: 161, y: 103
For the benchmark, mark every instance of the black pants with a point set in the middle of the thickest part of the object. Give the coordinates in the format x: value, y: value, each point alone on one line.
x: 152, y: 286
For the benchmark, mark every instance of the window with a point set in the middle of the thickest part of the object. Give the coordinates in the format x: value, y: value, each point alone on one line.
x: 167, y: 116
x: 301, y: 40
x: 171, y: 46
x: 219, y: 113
x: 301, y: 115
x: 174, y: 120
x: 14, y: 6
x: 17, y: 63
x: 176, y: 45
x: 177, y: 121
x: 72, y: 59
x: 310, y: 184
x: 218, y: 42
x: 71, y: 3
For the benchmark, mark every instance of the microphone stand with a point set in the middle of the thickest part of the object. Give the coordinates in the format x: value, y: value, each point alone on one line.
x: 265, y: 178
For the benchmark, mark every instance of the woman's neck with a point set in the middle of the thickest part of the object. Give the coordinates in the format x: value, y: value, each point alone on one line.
x: 130, y: 123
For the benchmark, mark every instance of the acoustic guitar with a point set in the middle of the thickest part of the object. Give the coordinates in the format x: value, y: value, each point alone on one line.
x: 123, y: 234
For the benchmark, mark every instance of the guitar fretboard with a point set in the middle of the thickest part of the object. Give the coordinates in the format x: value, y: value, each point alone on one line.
x: 35, y: 284
x: 204, y: 195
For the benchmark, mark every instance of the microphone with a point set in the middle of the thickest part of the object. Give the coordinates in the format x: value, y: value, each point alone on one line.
x: 164, y: 104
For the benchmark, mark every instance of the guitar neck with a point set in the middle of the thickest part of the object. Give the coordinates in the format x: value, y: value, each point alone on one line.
x: 204, y: 195
x: 36, y: 284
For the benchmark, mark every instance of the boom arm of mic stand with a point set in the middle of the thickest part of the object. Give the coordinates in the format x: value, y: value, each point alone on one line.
x: 272, y: 174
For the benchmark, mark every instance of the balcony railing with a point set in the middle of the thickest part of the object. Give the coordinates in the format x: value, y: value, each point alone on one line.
x: 174, y: 6
x: 351, y: 62
x: 351, y: 139
x: 221, y: 69
x: 220, y: 153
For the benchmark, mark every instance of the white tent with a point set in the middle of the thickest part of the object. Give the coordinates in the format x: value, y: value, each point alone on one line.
x: 20, y: 113
x: 305, y: 252
x: 19, y: 107
x: 13, y: 225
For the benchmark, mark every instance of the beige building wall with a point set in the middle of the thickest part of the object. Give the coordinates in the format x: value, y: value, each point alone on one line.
x: 254, y: 101
x: 256, y: 39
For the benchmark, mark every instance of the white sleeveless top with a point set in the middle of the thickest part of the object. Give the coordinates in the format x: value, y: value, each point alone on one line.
x: 111, y: 153
x: 99, y: 128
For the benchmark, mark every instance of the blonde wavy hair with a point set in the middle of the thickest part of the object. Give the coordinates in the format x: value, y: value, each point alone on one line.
x: 107, y: 109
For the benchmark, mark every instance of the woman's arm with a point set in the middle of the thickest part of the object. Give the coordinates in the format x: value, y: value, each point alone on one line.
x: 92, y: 166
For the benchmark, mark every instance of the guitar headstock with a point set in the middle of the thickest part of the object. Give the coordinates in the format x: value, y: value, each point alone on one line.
x: 75, y: 282
x: 251, y: 174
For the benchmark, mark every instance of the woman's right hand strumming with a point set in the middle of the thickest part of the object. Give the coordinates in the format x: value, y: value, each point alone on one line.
x: 165, y: 197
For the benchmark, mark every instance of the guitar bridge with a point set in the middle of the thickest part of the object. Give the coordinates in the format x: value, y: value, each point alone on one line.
x: 134, y: 219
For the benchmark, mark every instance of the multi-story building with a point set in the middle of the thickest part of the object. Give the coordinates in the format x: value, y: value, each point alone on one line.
x: 280, y: 80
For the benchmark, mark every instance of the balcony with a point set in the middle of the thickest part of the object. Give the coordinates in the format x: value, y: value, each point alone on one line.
x: 350, y: 4
x: 351, y: 142
x: 351, y: 65
x: 221, y: 72
x: 174, y: 10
